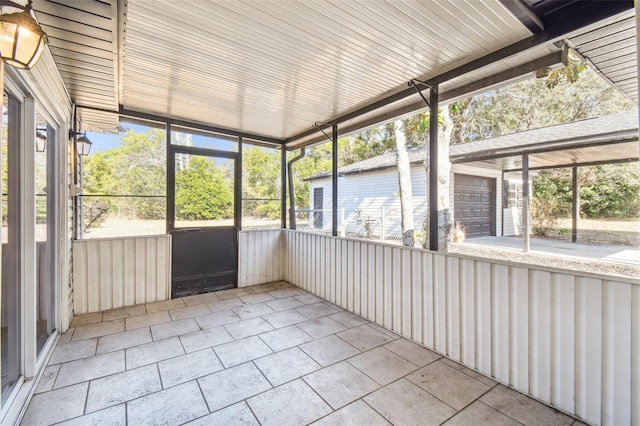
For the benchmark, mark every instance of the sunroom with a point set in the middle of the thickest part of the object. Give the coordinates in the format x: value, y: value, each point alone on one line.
x: 224, y: 320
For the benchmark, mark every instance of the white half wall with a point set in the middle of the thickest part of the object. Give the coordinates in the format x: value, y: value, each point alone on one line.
x: 260, y: 257
x: 569, y: 339
x: 116, y: 272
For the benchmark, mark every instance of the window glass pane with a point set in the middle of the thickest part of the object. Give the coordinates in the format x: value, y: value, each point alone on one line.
x: 204, y: 191
x: 201, y: 139
x: 261, y: 187
x: 124, y: 182
x: 10, y: 309
x: 44, y: 185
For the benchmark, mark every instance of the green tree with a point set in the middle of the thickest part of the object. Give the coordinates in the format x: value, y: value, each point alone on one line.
x: 261, y: 180
x: 203, y: 191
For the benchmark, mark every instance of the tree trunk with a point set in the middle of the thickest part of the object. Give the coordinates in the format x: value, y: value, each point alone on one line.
x: 444, y: 180
x: 404, y: 183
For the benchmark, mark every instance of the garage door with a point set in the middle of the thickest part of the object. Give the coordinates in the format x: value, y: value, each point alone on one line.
x: 474, y: 204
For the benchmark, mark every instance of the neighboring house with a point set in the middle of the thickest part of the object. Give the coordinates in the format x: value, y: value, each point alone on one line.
x: 486, y: 178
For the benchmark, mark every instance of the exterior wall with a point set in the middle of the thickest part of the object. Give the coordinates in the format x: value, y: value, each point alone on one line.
x: 568, y: 339
x: 116, y: 272
x: 260, y: 257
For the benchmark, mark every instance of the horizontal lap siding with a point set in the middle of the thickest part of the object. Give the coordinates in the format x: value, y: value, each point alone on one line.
x: 571, y: 340
x: 112, y: 273
x: 259, y: 257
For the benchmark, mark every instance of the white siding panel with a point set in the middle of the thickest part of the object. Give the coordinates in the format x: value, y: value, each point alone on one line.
x: 259, y: 257
x: 112, y: 273
x: 570, y: 339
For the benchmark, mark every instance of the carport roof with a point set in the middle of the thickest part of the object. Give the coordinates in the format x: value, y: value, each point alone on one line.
x: 608, y: 139
x: 272, y: 69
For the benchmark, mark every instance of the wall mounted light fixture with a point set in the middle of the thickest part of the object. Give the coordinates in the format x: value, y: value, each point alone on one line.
x: 83, y: 143
x: 21, y: 37
x: 41, y: 139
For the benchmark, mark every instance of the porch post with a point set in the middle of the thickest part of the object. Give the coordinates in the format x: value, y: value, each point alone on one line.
x: 433, y: 168
x: 334, y: 181
x: 575, y: 204
x: 525, y: 202
x: 283, y: 186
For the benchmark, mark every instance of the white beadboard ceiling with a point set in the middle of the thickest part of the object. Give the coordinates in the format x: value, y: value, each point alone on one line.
x: 275, y: 68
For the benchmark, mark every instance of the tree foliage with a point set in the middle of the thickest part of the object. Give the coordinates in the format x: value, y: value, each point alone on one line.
x: 203, y: 191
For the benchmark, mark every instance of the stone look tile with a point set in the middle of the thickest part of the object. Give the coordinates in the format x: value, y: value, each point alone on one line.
x: 364, y: 337
x: 232, y: 385
x: 522, y: 408
x: 412, y: 352
x: 321, y: 327
x: 282, y: 284
x: 256, y: 298
x: 261, y: 288
x: 329, y: 350
x: 236, y: 414
x: 231, y: 293
x: 241, y: 351
x: 216, y: 319
x: 307, y: 299
x: 246, y: 328
x: 348, y: 319
x: 252, y: 311
x: 381, y: 329
x: 403, y: 403
x: 114, y: 416
x: 125, y: 312
x: 66, y: 337
x: 285, y: 338
x: 171, y: 406
x: 175, y: 328
x: 89, y: 368
x: 480, y: 414
x: 205, y: 339
x: 293, y: 403
x: 96, y: 330
x: 284, y: 318
x: 165, y: 305
x: 188, y: 367
x: 48, y: 379
x: 225, y: 305
x: 86, y: 319
x: 285, y: 366
x: 448, y: 385
x: 287, y: 292
x: 153, y: 352
x: 122, y: 387
x: 284, y: 304
x: 382, y: 365
x: 340, y: 384
x: 469, y: 372
x: 128, y: 339
x: 147, y: 320
x: 55, y: 406
x: 358, y: 413
x: 316, y: 310
x: 73, y: 350
x: 199, y: 299
x: 189, y: 312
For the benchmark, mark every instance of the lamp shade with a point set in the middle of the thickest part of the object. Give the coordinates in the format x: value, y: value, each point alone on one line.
x: 41, y: 140
x: 84, y: 145
x: 21, y: 38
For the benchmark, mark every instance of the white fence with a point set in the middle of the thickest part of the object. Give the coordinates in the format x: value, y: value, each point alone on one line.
x: 569, y: 339
x: 116, y: 272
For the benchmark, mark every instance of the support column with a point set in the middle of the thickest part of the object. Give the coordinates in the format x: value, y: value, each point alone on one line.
x: 433, y: 168
x: 334, y: 181
x: 575, y: 203
x: 283, y: 187
x: 525, y: 202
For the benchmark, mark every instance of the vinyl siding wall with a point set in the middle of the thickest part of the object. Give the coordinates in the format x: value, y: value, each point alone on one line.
x: 569, y: 339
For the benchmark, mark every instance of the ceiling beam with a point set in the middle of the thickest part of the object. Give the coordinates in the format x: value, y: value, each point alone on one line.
x: 524, y: 14
x: 549, y: 34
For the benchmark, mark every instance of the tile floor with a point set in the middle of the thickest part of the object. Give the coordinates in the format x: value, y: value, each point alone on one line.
x: 264, y: 355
